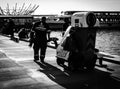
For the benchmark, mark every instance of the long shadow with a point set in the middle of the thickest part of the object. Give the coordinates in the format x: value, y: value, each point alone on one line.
x: 80, y: 79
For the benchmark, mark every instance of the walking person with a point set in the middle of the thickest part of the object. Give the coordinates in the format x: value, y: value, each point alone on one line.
x: 11, y: 26
x: 38, y: 38
x: 65, y: 25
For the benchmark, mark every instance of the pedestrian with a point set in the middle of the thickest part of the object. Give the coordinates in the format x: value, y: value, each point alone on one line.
x: 11, y: 26
x: 65, y: 25
x: 38, y: 38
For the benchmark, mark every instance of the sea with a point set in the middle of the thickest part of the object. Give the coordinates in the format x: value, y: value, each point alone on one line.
x: 108, y: 40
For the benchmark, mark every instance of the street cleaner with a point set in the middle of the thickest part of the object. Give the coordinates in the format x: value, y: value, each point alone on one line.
x: 38, y: 39
x: 77, y: 46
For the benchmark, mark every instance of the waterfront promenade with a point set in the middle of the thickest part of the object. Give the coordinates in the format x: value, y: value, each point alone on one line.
x: 19, y: 71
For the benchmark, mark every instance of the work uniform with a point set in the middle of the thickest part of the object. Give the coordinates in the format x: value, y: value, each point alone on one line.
x: 11, y: 28
x: 39, y: 39
x: 65, y: 25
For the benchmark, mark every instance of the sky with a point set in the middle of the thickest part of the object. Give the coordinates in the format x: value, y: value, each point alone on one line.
x: 56, y: 6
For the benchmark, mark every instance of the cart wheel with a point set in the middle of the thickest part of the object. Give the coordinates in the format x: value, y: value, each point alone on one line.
x: 71, y: 65
x: 60, y: 61
x: 91, y: 65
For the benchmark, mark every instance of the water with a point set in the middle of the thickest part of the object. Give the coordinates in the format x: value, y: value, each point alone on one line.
x: 106, y: 40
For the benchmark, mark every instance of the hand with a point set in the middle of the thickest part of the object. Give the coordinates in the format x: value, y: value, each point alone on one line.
x: 49, y: 31
x: 30, y: 45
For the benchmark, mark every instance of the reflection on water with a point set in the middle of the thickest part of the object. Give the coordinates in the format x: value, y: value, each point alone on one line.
x: 108, y: 41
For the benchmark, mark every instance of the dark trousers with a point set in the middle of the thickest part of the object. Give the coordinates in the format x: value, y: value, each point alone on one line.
x: 40, y: 50
x: 11, y: 34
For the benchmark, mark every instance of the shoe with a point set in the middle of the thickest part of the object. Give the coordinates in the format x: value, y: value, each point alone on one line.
x: 42, y: 60
x: 42, y: 57
x: 36, y: 60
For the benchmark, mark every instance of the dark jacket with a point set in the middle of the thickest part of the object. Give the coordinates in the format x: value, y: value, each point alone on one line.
x: 11, y: 26
x: 39, y: 32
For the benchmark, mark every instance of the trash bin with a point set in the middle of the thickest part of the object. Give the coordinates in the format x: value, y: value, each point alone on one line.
x: 77, y: 46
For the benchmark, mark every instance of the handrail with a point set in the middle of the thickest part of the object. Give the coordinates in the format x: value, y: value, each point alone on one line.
x: 109, y: 60
x: 106, y: 57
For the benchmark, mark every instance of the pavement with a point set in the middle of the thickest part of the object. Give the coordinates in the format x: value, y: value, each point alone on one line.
x: 19, y: 71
